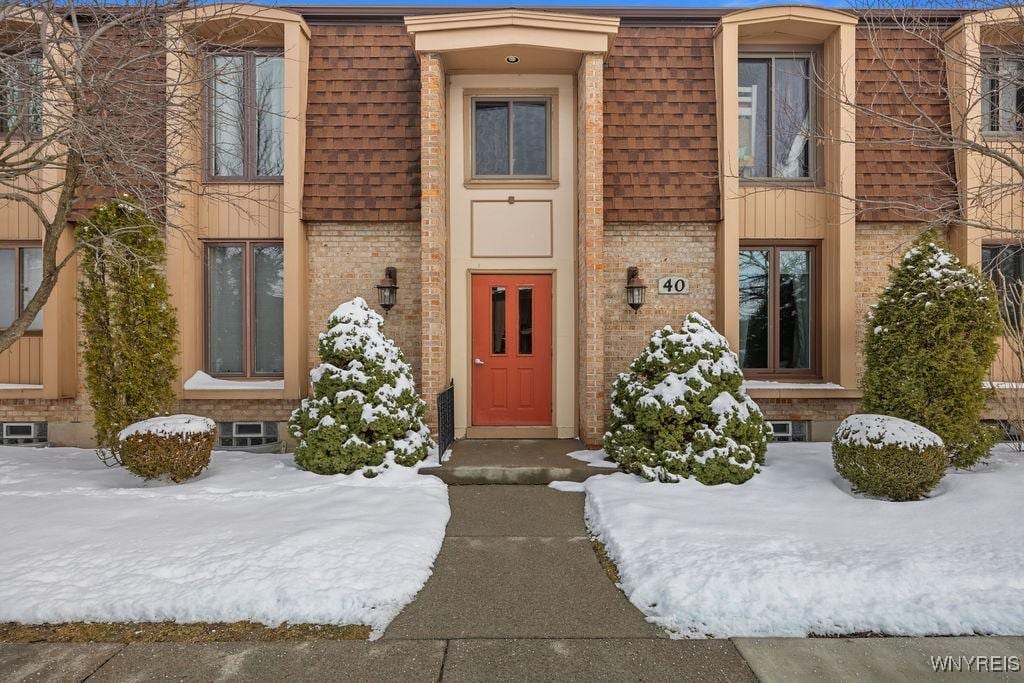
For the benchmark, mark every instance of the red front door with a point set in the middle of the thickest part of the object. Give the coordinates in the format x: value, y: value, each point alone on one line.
x: 511, y: 350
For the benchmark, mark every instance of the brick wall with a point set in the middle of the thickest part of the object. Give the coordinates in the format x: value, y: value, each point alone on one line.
x: 659, y: 250
x: 348, y: 259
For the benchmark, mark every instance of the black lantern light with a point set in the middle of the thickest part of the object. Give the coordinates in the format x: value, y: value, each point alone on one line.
x: 387, y: 290
x: 635, y: 288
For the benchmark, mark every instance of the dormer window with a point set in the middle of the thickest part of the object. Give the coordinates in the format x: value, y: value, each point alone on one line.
x: 1002, y: 94
x: 246, y: 128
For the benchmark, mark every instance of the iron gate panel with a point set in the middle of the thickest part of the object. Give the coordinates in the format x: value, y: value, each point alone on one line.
x: 445, y: 419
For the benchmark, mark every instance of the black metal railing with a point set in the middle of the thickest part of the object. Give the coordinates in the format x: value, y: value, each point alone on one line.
x: 445, y: 419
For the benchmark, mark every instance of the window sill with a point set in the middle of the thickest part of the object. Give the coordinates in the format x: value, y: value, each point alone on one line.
x: 511, y: 184
x: 780, y: 182
x: 811, y: 388
x: 243, y: 181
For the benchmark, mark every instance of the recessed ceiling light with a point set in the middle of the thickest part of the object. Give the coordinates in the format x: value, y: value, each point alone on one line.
x: 512, y: 59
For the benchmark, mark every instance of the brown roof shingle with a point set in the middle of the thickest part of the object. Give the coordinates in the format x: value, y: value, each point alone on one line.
x: 363, y: 125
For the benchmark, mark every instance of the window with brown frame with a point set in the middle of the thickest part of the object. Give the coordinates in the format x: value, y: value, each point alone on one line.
x: 21, y: 272
x: 21, y: 95
x: 778, y: 308
x: 776, y: 116
x: 245, y: 130
x: 245, y: 309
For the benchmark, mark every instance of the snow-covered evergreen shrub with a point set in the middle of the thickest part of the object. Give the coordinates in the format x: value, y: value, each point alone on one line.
x: 130, y: 327
x: 930, y: 341
x: 680, y: 411
x: 365, y: 412
x: 886, y: 456
x: 176, y: 446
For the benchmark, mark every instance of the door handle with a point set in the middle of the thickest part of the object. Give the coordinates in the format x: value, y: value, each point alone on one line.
x: 477, y: 361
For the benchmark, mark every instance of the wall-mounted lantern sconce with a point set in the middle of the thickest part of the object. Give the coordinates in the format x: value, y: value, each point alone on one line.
x: 635, y: 288
x: 387, y: 290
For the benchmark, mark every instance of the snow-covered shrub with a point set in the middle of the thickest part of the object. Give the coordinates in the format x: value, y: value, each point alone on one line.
x: 680, y: 411
x: 130, y: 327
x: 176, y: 446
x: 886, y: 456
x: 365, y: 412
x: 930, y: 341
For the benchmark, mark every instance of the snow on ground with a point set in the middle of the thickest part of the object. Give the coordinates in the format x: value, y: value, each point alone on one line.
x: 201, y: 381
x: 792, y: 552
x: 593, y: 458
x: 253, y: 538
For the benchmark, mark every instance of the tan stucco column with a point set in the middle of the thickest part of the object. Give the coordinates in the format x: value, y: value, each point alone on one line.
x: 433, y: 232
x: 590, y: 247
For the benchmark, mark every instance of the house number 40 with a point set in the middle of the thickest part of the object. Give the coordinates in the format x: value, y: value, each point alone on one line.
x: 673, y: 285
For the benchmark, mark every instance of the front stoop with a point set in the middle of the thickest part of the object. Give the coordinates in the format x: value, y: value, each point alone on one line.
x: 514, y: 461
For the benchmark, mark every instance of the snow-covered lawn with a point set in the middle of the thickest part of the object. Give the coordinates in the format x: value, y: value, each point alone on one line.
x: 253, y: 538
x: 792, y: 552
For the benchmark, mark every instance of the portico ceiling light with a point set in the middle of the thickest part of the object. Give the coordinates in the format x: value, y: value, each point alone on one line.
x: 512, y: 59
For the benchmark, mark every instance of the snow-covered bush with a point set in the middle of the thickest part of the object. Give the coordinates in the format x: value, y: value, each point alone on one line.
x: 886, y: 456
x: 680, y: 411
x: 176, y: 446
x: 930, y: 341
x: 365, y: 412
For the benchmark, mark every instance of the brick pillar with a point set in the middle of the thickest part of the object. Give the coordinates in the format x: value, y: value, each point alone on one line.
x: 433, y: 233
x: 591, y: 388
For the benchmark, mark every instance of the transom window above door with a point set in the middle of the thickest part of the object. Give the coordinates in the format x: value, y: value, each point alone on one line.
x: 511, y: 137
x: 775, y: 116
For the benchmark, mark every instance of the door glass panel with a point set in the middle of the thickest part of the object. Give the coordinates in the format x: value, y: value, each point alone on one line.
x: 792, y: 118
x: 8, y: 287
x: 754, y: 117
x: 228, y: 123
x: 225, y: 309
x: 490, y: 144
x: 269, y: 116
x: 497, y: 320
x: 268, y: 291
x: 794, y: 309
x: 31, y: 278
x: 530, y: 138
x: 525, y: 320
x: 755, y: 283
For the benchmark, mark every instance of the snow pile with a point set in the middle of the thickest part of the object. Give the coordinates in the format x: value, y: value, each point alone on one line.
x: 593, y: 459
x: 200, y: 381
x: 793, y: 553
x: 365, y: 413
x: 878, y: 431
x: 254, y: 538
x: 169, y: 425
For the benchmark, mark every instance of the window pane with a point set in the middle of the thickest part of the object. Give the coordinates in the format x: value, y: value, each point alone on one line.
x: 8, y: 287
x: 795, y: 309
x: 498, y: 320
x: 1004, y: 264
x: 792, y: 118
x: 754, y: 307
x: 225, y: 309
x: 228, y: 148
x: 990, y: 95
x: 268, y: 290
x: 530, y: 138
x: 490, y: 144
x: 34, y: 94
x: 8, y: 94
x: 525, y: 320
x: 754, y: 117
x: 31, y: 278
x: 269, y: 116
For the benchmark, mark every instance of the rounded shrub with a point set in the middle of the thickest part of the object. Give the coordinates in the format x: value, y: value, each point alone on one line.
x: 177, y: 447
x: 365, y: 413
x: 888, y: 457
x: 930, y: 342
x: 680, y: 411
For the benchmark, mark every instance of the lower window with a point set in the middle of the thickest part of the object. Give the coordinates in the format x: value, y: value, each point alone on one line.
x: 21, y: 271
x: 1004, y: 264
x: 777, y: 309
x: 245, y: 308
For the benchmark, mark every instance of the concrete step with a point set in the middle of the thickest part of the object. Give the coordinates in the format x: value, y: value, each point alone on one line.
x: 514, y: 461
x: 501, y: 474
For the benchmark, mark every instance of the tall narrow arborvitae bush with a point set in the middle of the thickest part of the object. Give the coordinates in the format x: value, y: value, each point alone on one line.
x: 930, y: 341
x: 365, y: 413
x: 680, y: 411
x: 130, y: 326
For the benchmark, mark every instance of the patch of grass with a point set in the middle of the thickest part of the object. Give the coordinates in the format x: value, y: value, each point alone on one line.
x: 606, y: 562
x: 171, y: 632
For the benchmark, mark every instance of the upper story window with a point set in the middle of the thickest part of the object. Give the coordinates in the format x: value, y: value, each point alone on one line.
x: 21, y: 95
x: 246, y: 131
x: 1002, y: 94
x: 1004, y: 264
x: 778, y: 308
x: 775, y: 116
x: 21, y: 272
x: 511, y: 137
